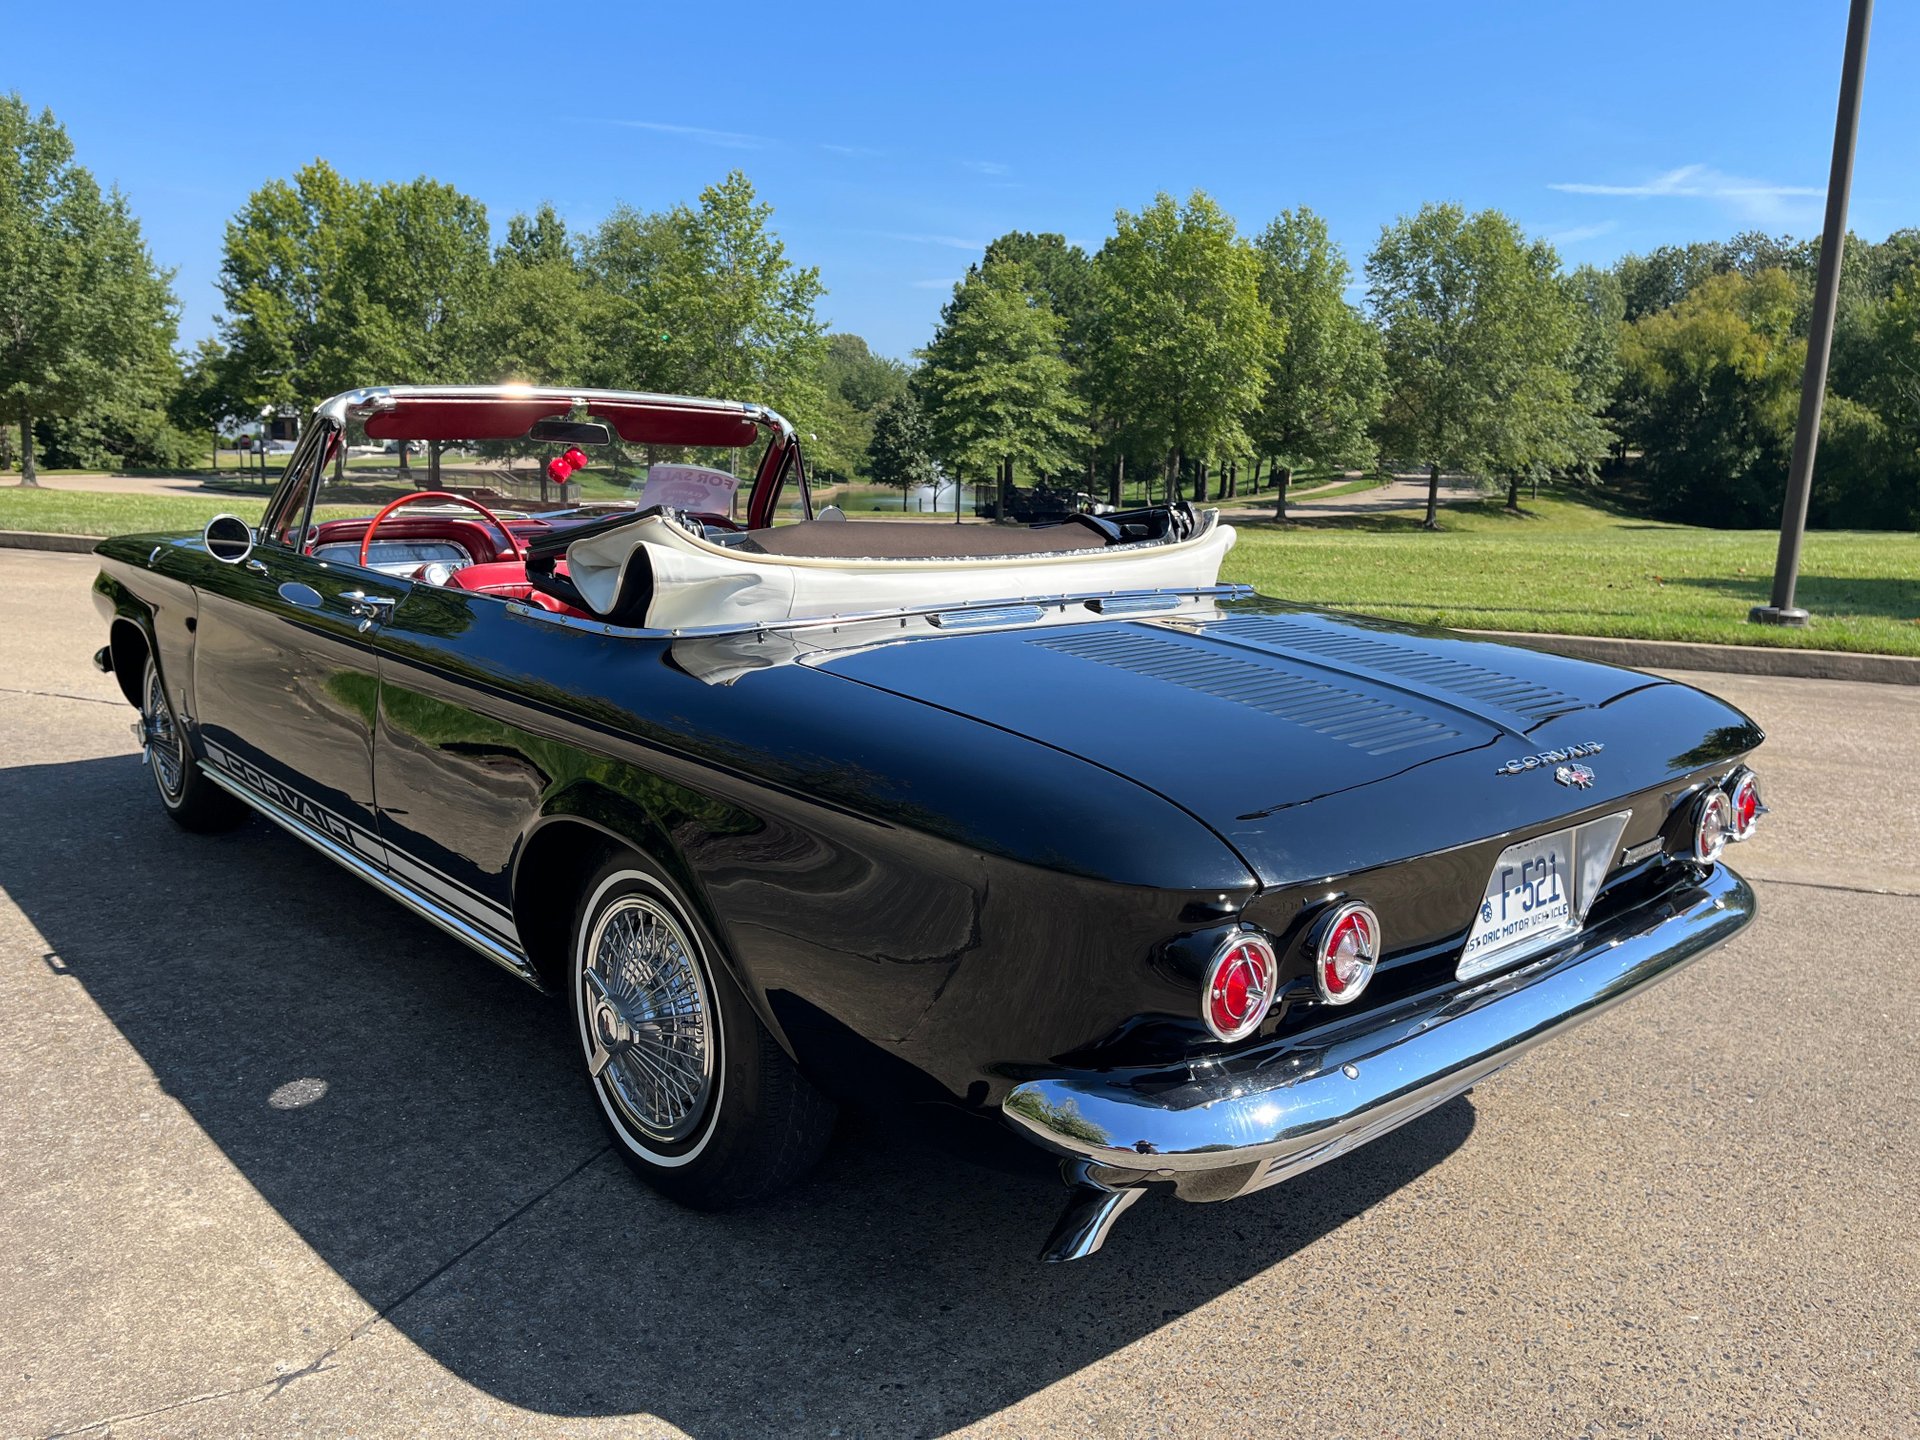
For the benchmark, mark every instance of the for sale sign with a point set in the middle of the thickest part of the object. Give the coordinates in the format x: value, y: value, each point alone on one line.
x: 697, y: 488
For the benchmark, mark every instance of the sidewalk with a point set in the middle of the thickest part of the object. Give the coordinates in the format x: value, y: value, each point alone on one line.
x: 1402, y: 492
x: 100, y: 483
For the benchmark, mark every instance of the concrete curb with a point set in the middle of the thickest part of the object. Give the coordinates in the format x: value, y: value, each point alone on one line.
x: 1726, y: 659
x: 38, y: 540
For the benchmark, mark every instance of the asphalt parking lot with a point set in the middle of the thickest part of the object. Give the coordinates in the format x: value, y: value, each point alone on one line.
x: 276, y: 1158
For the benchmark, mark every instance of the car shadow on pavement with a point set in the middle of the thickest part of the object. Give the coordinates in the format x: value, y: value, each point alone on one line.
x: 420, y: 1120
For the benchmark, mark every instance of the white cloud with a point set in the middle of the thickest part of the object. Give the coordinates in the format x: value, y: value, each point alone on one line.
x: 985, y: 167
x: 1575, y: 234
x: 726, y: 139
x: 1757, y: 199
x: 950, y: 242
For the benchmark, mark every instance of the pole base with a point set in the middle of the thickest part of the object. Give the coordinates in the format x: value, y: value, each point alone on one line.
x: 1776, y: 615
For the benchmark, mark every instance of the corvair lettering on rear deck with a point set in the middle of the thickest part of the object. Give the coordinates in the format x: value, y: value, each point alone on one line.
x: 1549, y: 757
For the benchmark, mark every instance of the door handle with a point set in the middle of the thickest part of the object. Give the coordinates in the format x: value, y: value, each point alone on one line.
x: 372, y: 609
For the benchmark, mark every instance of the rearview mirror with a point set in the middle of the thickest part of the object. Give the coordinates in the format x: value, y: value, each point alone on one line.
x: 570, y: 432
x: 228, y: 539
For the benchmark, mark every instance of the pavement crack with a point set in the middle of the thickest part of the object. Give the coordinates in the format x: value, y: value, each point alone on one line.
x: 1837, y: 889
x: 108, y: 1421
x: 58, y: 695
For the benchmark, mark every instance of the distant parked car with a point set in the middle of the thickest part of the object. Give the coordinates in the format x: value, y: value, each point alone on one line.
x: 1041, y: 505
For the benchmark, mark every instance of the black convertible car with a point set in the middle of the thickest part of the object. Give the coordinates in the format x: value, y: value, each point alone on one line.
x: 1040, y: 837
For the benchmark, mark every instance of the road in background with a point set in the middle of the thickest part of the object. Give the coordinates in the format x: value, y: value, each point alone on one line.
x: 277, y: 1158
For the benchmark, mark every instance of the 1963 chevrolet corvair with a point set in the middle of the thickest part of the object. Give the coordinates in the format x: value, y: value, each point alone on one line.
x: 1039, y: 834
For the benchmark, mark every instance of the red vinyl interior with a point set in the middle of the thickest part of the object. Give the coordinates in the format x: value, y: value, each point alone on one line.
x: 443, y: 419
x: 489, y: 574
x: 641, y: 424
x: 638, y: 422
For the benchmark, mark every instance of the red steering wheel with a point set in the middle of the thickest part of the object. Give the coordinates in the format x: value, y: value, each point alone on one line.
x: 514, y: 552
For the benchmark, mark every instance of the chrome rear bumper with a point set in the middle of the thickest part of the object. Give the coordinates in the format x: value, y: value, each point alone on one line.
x: 1222, y: 1135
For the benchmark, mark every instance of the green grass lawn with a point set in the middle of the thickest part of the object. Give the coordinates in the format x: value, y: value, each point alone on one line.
x: 1573, y: 568
x: 1560, y: 566
x: 83, y: 512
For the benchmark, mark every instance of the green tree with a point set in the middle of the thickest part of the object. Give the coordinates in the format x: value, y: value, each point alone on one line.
x: 282, y: 322
x: 854, y: 384
x: 996, y: 391
x: 414, y: 267
x: 1181, y: 333
x: 83, y: 310
x: 1709, y: 394
x: 900, y: 453
x: 737, y: 315
x: 1480, y: 330
x: 1325, y: 373
x: 538, y: 322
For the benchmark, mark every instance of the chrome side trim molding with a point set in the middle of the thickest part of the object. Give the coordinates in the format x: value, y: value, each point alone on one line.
x: 1095, y: 601
x: 501, y: 954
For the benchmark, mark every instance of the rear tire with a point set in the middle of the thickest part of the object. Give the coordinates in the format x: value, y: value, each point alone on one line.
x: 194, y: 801
x: 698, y: 1098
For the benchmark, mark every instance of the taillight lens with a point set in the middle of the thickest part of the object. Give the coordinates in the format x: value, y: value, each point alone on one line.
x: 1347, y: 952
x: 1744, y: 800
x: 1241, y: 983
x: 1712, y: 822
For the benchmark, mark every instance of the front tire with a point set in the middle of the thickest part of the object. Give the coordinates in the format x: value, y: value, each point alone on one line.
x: 698, y: 1097
x: 194, y: 801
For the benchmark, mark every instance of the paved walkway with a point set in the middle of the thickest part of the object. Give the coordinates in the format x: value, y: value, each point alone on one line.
x: 1402, y: 492
x: 104, y: 484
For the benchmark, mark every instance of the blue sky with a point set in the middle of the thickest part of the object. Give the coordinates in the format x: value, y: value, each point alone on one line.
x: 894, y: 141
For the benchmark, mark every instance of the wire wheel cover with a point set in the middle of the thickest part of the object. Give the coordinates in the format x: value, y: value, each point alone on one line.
x: 646, y: 1014
x: 157, y: 733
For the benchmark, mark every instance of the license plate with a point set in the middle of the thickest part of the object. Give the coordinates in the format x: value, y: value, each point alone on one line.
x: 1529, y: 900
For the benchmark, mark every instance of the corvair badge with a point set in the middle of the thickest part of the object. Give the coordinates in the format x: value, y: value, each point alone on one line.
x: 1549, y: 757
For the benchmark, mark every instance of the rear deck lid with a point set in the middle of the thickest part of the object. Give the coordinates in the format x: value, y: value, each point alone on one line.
x: 1257, y: 715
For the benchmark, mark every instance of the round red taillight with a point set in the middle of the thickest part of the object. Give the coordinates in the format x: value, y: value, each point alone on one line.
x: 1346, y: 953
x: 1712, y: 821
x: 1744, y: 800
x: 1241, y: 983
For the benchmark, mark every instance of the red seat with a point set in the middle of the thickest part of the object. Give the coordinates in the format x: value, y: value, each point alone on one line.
x: 508, y: 580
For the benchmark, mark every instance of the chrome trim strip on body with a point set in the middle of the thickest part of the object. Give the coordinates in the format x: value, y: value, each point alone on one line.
x: 1092, y: 599
x: 503, y: 955
x: 455, y: 896
x: 1225, y: 1135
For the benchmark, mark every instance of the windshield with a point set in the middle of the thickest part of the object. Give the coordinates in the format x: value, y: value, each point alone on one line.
x: 536, y: 477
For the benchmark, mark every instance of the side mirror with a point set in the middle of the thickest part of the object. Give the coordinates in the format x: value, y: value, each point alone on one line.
x: 829, y: 512
x: 228, y: 539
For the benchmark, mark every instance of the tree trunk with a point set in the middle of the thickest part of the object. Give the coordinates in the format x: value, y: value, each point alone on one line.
x: 1282, y: 478
x: 1006, y: 488
x: 405, y: 468
x: 1513, y: 493
x: 433, y: 464
x: 28, y: 474
x: 1257, y: 463
x: 1119, y: 480
x: 1433, y: 497
x: 1200, y: 483
x: 340, y: 460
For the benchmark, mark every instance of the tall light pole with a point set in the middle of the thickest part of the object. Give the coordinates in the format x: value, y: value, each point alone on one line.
x: 1826, y: 296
